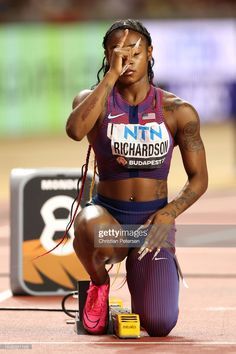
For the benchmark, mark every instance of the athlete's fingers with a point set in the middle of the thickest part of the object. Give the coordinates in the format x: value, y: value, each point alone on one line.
x: 123, y: 39
x: 143, y: 253
x: 153, y: 232
x: 147, y: 223
x: 157, y: 243
x: 123, y: 56
x: 161, y: 242
x: 125, y: 52
x: 157, y: 236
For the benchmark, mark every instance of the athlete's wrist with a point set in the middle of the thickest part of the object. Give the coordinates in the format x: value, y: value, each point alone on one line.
x: 169, y: 211
x: 112, y: 76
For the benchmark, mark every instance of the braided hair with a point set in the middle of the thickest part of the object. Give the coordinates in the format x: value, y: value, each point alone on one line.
x: 133, y: 25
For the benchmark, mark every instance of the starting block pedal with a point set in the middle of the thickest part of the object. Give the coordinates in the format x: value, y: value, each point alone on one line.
x: 125, y: 323
x: 122, y: 322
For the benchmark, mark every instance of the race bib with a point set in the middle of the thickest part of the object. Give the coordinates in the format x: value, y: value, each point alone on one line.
x: 139, y: 146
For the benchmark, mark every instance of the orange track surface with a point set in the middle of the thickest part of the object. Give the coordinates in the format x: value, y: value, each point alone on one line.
x: 207, y: 319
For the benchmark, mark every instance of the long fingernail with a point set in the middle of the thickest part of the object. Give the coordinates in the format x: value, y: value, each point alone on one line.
x: 156, y: 253
x: 137, y: 43
x: 141, y: 250
x: 124, y: 69
x: 139, y: 228
x: 143, y: 254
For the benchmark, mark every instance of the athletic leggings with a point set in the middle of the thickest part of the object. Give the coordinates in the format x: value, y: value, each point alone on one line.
x: 153, y: 284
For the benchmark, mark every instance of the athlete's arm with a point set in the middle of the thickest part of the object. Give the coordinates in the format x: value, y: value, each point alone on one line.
x: 88, y: 105
x: 87, y: 108
x: 194, y: 159
x: 193, y: 155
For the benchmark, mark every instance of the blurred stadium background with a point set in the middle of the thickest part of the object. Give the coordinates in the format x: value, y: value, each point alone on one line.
x: 51, y: 49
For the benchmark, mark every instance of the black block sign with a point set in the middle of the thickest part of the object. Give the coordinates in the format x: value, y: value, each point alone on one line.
x: 39, y: 220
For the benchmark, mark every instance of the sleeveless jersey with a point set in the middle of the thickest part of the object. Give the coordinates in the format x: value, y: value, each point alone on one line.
x: 133, y: 141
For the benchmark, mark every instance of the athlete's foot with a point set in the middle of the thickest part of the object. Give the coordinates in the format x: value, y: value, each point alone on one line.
x: 95, y: 314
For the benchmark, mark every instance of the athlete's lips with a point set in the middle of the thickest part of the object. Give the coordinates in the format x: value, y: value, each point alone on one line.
x: 128, y: 72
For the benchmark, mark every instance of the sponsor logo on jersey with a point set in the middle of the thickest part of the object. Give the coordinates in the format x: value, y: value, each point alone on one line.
x: 110, y: 116
x: 139, y: 146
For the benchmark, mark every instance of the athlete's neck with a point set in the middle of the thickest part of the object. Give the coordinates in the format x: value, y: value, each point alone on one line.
x: 134, y: 93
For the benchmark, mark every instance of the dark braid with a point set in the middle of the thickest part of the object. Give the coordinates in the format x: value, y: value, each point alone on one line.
x: 133, y: 25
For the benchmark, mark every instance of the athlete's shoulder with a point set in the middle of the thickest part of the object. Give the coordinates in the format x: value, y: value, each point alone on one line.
x: 80, y: 97
x: 178, y: 106
x: 171, y: 102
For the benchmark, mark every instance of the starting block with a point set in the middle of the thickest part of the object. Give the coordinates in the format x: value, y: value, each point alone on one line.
x: 125, y: 324
x: 122, y: 322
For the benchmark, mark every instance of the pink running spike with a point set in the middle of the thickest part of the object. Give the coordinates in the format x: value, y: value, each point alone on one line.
x: 95, y: 314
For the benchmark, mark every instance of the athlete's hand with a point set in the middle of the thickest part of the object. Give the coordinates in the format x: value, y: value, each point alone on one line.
x: 121, y: 56
x: 160, y: 224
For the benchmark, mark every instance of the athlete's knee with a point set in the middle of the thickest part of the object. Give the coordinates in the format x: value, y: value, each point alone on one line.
x: 84, y: 228
x: 160, y: 327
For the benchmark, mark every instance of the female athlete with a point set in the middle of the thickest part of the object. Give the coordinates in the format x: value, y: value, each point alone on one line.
x: 133, y: 127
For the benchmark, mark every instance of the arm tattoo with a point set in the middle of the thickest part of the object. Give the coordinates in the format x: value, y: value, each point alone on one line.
x: 106, y: 94
x: 94, y: 101
x: 173, y: 106
x: 90, y: 108
x: 178, y: 205
x: 192, y: 141
x: 186, y: 199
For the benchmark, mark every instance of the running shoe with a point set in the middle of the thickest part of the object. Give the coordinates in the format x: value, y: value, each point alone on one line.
x: 95, y: 314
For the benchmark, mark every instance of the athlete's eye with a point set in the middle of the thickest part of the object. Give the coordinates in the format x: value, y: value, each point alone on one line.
x: 136, y: 54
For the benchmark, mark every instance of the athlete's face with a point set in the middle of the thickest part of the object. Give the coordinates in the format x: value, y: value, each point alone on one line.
x: 138, y: 68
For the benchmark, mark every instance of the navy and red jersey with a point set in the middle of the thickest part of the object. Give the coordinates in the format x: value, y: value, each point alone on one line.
x: 133, y: 141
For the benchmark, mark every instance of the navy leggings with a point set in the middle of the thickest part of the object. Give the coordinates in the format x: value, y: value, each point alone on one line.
x: 153, y: 284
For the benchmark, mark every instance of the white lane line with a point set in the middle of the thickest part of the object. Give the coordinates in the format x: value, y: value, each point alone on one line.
x: 125, y: 343
x: 220, y: 308
x: 5, y: 295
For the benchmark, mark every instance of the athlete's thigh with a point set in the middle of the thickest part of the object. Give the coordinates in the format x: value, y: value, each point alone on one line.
x: 94, y: 221
x: 156, y: 278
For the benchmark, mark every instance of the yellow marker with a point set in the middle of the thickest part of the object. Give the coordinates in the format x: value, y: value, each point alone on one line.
x: 125, y: 324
